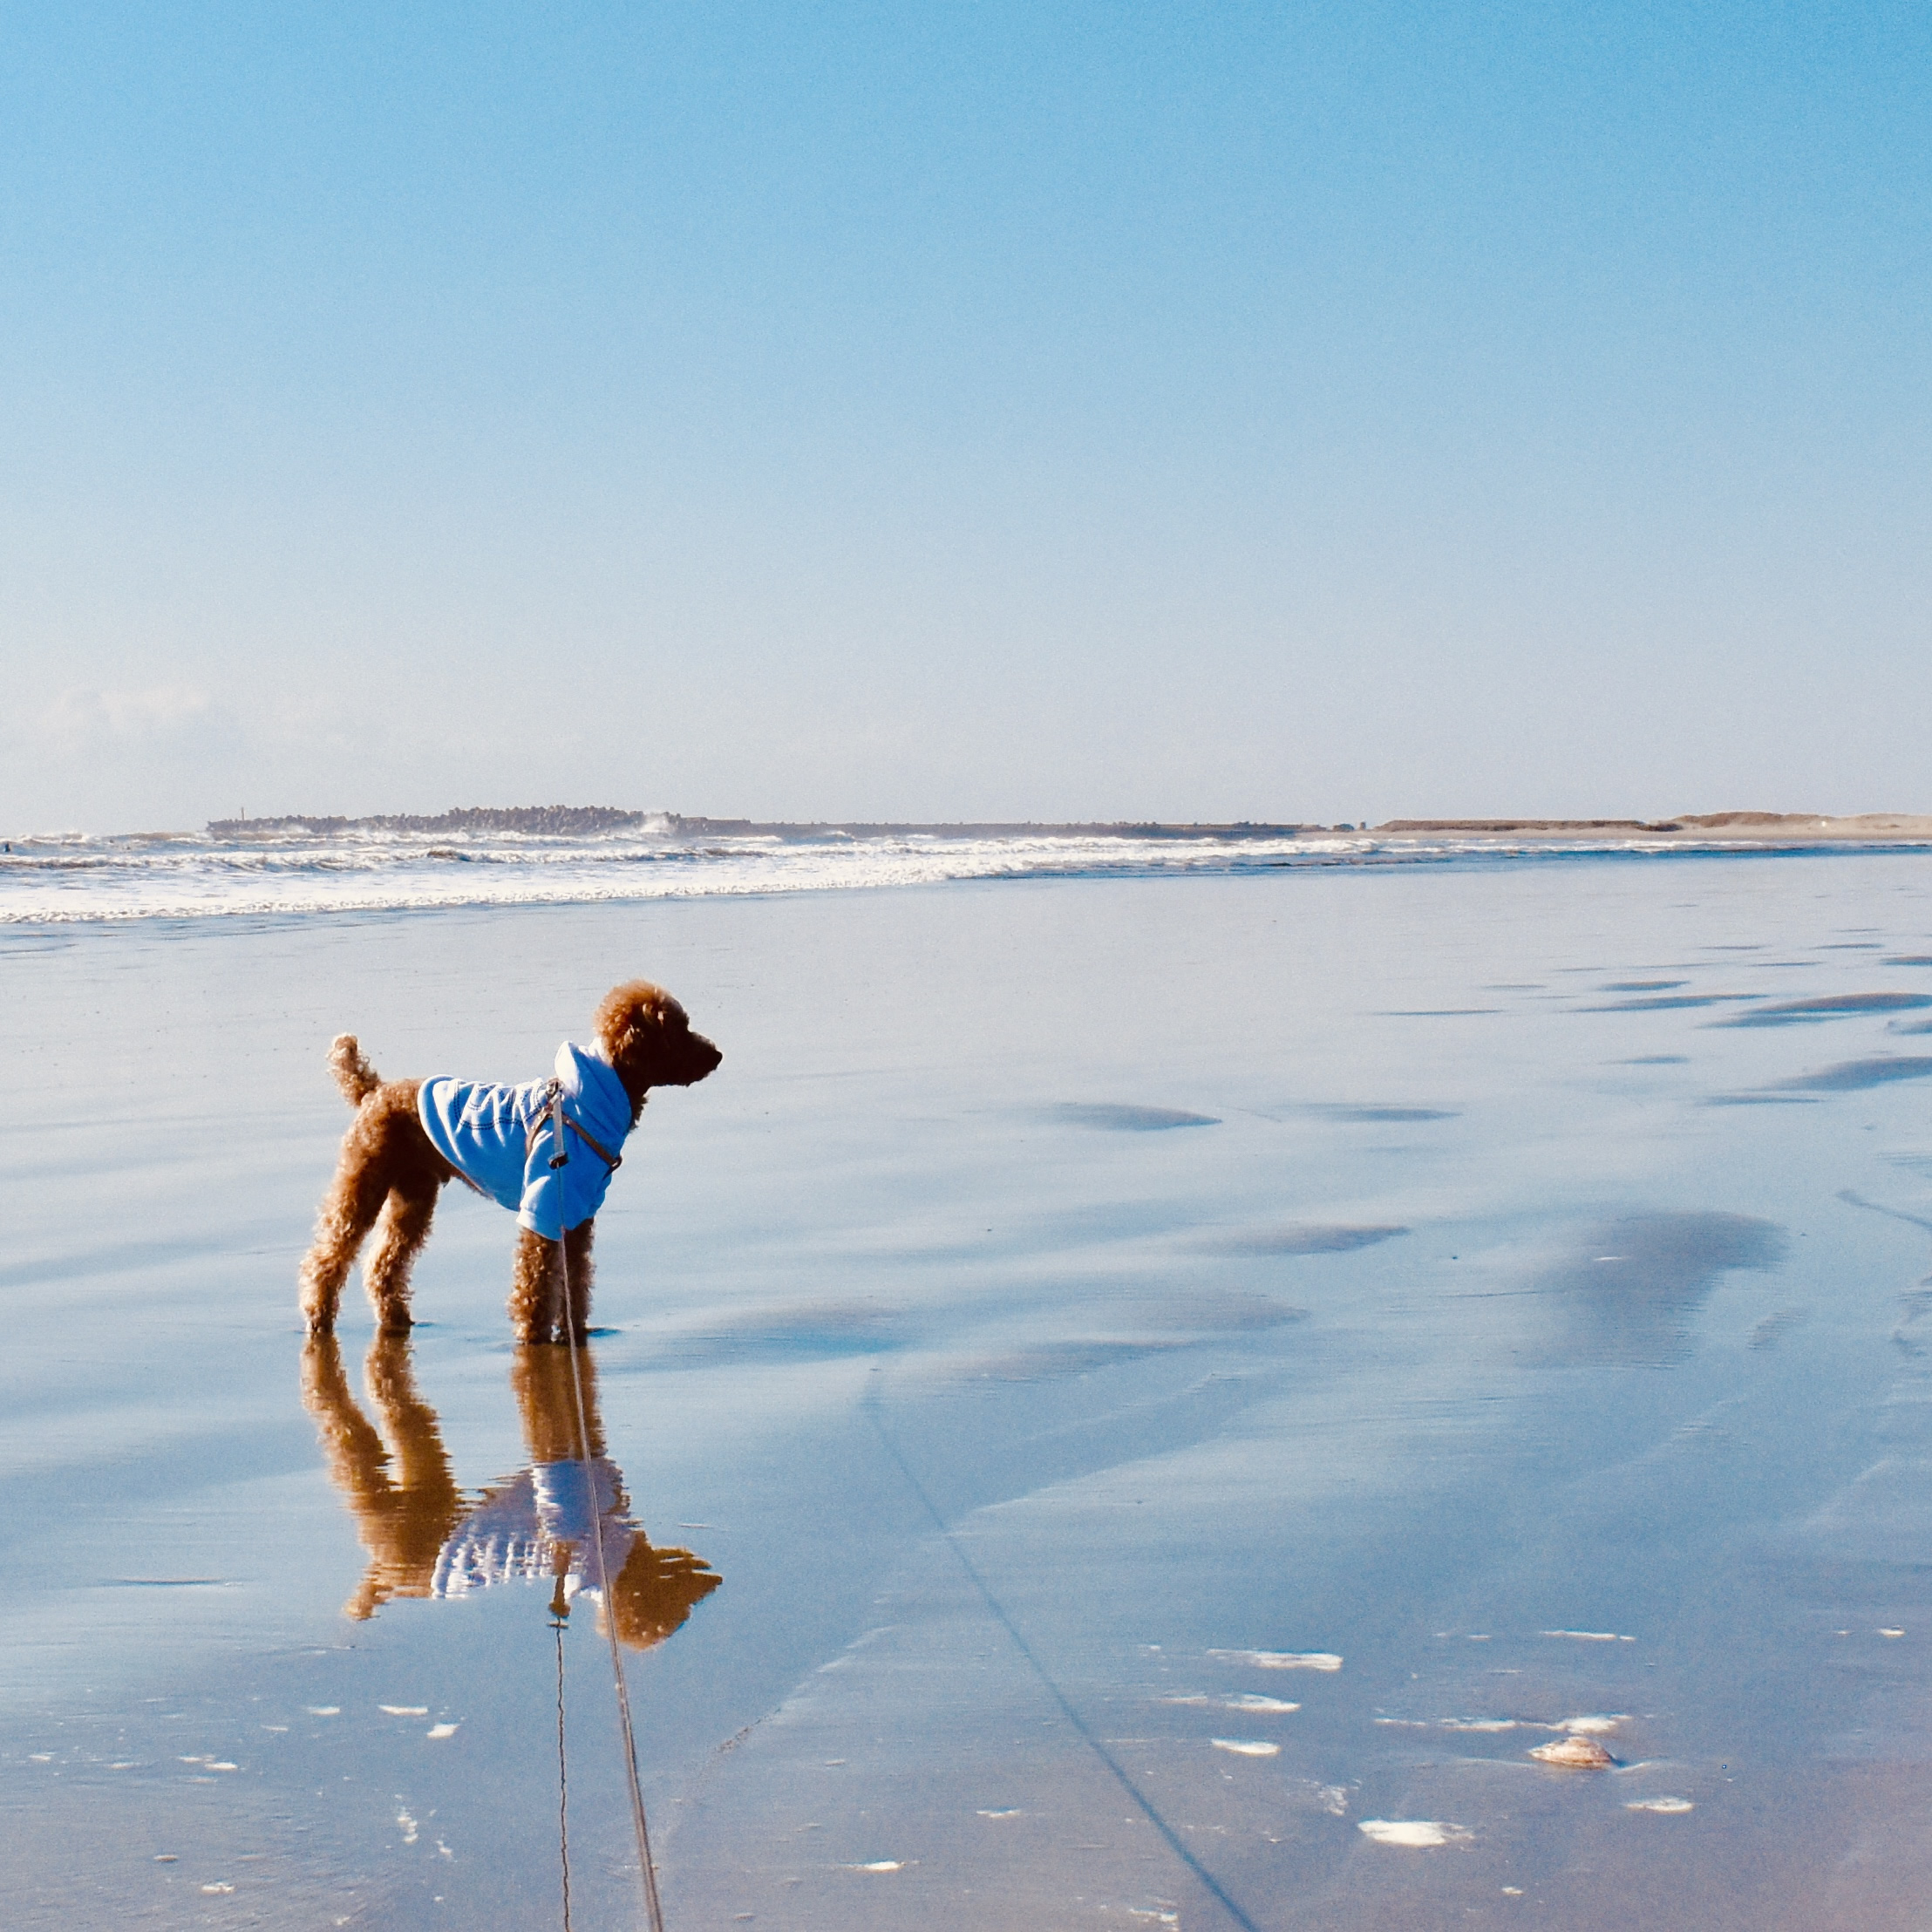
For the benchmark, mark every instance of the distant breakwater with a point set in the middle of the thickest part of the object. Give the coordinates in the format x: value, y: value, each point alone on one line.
x: 590, y: 821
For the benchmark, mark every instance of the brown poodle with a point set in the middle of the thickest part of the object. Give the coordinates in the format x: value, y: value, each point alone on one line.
x: 411, y: 1137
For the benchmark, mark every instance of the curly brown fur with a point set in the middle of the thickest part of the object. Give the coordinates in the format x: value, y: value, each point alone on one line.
x: 349, y: 1065
x: 536, y: 1288
x: 649, y: 1042
x: 387, y: 1178
x: 390, y: 1174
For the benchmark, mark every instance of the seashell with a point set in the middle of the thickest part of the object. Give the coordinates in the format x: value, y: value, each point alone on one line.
x: 1575, y: 1754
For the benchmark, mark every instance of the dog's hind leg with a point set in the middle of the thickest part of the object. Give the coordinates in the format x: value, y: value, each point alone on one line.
x: 535, y: 1314
x: 576, y: 1253
x: 399, y: 1237
x: 347, y: 1213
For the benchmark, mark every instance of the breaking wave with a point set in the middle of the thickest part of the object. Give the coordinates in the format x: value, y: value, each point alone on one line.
x: 269, y: 867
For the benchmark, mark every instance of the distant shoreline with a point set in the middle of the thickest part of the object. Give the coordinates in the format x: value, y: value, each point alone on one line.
x: 558, y: 855
x: 565, y: 821
x: 1700, y: 828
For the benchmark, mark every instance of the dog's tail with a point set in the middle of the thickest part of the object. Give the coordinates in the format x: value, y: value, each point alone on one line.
x: 349, y: 1065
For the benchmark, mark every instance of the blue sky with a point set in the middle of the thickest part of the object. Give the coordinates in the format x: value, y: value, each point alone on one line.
x: 929, y: 411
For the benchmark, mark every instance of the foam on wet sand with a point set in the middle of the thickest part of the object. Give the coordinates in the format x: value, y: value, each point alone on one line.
x: 1415, y: 1835
x: 1324, y: 1661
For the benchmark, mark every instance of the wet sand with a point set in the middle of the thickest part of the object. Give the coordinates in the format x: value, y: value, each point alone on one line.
x: 1184, y: 1385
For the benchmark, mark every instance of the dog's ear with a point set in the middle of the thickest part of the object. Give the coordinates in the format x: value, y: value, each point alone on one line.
x: 630, y: 1017
x: 620, y: 1041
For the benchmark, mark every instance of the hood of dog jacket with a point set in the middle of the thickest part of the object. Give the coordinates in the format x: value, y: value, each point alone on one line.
x: 501, y: 1137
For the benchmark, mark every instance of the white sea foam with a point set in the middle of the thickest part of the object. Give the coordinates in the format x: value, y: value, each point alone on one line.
x: 64, y: 878
x: 359, y: 869
x: 1596, y: 1724
x: 1281, y: 1660
x: 1247, y: 1700
x: 1247, y: 1747
x: 1417, y: 1834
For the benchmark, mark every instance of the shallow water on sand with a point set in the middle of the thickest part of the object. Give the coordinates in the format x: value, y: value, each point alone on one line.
x: 1126, y: 1402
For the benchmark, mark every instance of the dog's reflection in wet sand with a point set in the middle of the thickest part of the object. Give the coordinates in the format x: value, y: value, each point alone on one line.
x: 425, y: 1538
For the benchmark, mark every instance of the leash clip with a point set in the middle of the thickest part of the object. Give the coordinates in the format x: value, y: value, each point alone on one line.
x: 562, y: 1155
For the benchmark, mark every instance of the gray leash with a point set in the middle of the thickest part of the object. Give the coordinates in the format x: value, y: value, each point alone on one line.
x: 651, y: 1903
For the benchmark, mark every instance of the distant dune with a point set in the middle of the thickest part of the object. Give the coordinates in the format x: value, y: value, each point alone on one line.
x: 1769, y: 827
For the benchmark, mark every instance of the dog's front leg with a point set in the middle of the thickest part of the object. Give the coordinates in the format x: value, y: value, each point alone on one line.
x: 536, y: 1310
x: 576, y: 1249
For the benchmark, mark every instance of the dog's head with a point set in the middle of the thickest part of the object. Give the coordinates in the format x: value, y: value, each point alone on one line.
x: 644, y: 1035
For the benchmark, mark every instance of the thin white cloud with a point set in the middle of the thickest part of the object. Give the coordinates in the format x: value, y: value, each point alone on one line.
x: 83, y: 715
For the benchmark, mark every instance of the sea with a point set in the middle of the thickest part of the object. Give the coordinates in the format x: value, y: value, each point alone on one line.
x: 290, y: 866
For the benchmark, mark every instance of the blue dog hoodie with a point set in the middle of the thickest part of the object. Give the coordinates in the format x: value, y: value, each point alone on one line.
x: 501, y: 1137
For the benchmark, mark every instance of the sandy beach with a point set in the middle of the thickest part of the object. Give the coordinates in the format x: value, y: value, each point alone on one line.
x: 1185, y: 1384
